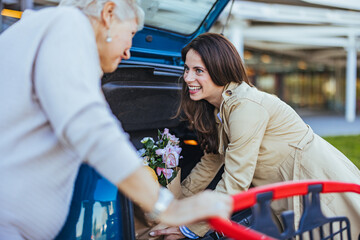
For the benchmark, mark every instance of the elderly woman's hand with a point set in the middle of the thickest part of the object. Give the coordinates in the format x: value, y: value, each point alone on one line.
x: 198, y: 207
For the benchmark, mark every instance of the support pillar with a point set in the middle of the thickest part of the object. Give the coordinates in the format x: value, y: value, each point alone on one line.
x: 237, y: 37
x: 350, y: 104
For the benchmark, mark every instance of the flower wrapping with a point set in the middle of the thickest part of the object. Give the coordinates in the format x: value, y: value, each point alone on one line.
x: 162, y: 156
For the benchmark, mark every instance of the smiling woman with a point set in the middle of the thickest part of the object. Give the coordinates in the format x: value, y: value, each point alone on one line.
x: 258, y: 138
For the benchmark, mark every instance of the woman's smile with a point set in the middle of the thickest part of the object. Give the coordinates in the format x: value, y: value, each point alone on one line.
x: 194, y: 89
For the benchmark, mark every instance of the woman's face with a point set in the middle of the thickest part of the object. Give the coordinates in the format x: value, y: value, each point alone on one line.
x: 198, y: 80
x: 111, y: 53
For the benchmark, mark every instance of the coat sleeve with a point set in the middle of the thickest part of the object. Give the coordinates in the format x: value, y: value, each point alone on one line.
x: 246, y: 125
x: 202, y: 174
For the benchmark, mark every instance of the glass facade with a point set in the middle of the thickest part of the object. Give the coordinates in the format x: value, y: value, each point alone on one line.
x: 301, y: 84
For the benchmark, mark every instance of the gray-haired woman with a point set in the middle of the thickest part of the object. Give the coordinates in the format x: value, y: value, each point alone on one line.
x: 50, y: 66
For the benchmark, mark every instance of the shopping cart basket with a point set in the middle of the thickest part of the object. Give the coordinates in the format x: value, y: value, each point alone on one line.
x: 312, y: 221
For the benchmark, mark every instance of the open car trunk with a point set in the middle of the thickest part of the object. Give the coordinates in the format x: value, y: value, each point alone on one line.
x: 144, y: 97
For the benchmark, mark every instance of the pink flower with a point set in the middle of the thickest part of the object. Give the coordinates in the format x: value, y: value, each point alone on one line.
x: 167, y: 172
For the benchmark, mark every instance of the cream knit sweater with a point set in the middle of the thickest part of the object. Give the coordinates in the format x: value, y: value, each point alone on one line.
x: 53, y: 117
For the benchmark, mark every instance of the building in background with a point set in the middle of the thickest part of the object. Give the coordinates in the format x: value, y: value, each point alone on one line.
x: 305, y: 52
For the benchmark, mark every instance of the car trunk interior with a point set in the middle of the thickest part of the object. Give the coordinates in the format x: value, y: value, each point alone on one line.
x: 145, y: 98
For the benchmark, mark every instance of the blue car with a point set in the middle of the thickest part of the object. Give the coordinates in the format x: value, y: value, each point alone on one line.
x: 143, y: 94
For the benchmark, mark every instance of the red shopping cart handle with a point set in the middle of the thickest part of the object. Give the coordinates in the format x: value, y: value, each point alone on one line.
x: 279, y: 190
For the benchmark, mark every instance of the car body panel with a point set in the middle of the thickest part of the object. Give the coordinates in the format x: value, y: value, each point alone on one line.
x: 98, y: 210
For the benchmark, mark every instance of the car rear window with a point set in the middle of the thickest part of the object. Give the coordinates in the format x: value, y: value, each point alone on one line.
x: 180, y: 16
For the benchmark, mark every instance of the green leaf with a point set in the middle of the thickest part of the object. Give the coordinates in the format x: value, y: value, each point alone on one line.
x: 162, y: 180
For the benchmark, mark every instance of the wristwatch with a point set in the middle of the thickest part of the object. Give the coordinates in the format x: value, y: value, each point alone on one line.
x: 163, y: 202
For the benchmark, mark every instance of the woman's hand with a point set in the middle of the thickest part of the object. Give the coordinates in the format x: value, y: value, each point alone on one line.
x: 198, y: 207
x: 171, y: 233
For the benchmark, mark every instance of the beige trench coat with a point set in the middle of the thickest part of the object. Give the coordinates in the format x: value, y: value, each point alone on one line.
x: 264, y: 141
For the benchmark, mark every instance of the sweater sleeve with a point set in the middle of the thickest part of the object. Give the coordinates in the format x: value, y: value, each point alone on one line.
x: 67, y: 84
x: 247, y: 124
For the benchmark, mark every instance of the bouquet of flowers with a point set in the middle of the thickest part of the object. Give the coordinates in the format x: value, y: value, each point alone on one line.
x: 162, y: 156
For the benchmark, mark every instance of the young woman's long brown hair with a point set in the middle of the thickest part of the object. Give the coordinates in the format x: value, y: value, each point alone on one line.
x: 224, y: 65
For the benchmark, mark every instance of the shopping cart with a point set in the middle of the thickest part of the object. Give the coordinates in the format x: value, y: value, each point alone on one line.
x: 312, y: 221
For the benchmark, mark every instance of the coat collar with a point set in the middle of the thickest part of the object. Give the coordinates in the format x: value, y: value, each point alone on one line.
x: 227, y: 94
x: 229, y: 90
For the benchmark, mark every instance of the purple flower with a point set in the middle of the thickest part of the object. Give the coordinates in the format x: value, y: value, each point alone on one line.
x: 177, y: 149
x: 173, y: 140
x: 160, y: 151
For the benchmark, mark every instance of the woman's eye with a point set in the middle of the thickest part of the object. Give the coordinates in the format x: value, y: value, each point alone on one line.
x: 186, y: 69
x: 199, y: 71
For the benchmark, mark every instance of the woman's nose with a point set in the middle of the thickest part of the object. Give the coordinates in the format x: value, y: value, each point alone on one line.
x: 188, y: 77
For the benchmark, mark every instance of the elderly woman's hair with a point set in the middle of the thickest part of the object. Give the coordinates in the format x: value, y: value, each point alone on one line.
x: 125, y: 9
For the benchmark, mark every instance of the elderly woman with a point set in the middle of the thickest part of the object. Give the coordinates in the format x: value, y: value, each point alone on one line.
x: 259, y: 138
x: 53, y: 117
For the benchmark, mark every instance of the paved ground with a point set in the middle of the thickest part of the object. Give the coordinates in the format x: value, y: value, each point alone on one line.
x: 330, y: 124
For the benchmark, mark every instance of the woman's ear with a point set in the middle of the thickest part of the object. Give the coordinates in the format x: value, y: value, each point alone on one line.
x: 107, y: 14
